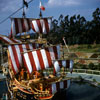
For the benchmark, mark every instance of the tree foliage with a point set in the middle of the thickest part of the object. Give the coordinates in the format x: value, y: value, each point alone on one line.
x: 76, y: 29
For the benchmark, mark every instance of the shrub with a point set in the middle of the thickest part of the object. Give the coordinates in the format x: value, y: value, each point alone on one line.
x: 91, y: 66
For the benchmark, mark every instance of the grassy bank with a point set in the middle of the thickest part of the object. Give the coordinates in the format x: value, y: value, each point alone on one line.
x: 85, y: 48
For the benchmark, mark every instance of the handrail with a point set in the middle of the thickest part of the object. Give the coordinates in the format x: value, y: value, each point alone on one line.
x: 86, y: 71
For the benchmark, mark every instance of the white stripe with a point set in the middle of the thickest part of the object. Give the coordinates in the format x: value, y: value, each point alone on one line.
x: 7, y: 39
x: 13, y: 59
x: 52, y: 53
x: 18, y: 41
x: 34, y: 53
x: 54, y: 90
x: 44, y: 56
x: 19, y: 25
x: 49, y: 23
x: 68, y: 83
x: 26, y: 25
x: 24, y: 48
x: 44, y: 27
x: 13, y: 27
x: 57, y: 67
x: 71, y: 65
x: 64, y: 63
x: 41, y: 21
x: 30, y: 46
x: 18, y: 54
x: 61, y: 85
x: 58, y: 50
x: 36, y: 45
x: 27, y: 60
x: 35, y: 26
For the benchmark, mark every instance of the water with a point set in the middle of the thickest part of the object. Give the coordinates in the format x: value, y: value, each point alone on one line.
x: 77, y: 91
x: 3, y: 88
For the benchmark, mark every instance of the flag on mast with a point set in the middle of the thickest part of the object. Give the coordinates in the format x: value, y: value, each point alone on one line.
x: 25, y: 3
x: 42, y: 7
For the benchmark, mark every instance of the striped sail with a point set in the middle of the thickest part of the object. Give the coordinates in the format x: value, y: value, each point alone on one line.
x: 41, y: 26
x: 8, y: 40
x: 41, y: 59
x: 63, y: 63
x: 20, y: 25
x: 15, y: 52
x: 55, y: 87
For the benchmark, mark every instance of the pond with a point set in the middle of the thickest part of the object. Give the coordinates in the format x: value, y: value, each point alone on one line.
x: 77, y: 91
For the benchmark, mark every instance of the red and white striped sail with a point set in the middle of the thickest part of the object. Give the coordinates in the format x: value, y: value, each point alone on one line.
x: 20, y: 25
x: 8, y: 40
x: 55, y: 87
x: 41, y: 26
x: 41, y: 59
x: 15, y: 52
x: 63, y: 63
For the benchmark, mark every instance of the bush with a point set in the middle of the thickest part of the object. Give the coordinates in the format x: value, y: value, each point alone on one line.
x: 91, y: 66
x: 98, y: 66
x: 89, y: 46
x: 94, y: 80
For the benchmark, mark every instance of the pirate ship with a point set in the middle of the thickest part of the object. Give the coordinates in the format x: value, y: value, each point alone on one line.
x: 30, y: 61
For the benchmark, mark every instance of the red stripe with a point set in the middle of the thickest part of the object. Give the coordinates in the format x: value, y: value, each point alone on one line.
x: 23, y: 25
x: 48, y: 57
x: 29, y: 24
x: 40, y: 59
x: 15, y: 56
x: 27, y: 47
x: 39, y: 25
x: 65, y: 84
x: 54, y: 71
x: 32, y: 61
x: 4, y: 40
x: 39, y: 45
x: 58, y: 86
x: 11, y: 34
x: 16, y: 25
x: 12, y: 65
x: 50, y: 87
x: 67, y: 63
x: 60, y: 63
x: 26, y: 65
x: 34, y: 45
x: 33, y: 27
x: 55, y: 52
x: 25, y: 22
x: 21, y: 50
x: 46, y: 25
x: 14, y: 41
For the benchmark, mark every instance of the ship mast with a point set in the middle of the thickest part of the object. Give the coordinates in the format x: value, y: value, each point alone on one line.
x: 40, y: 15
x: 23, y: 14
x: 24, y: 3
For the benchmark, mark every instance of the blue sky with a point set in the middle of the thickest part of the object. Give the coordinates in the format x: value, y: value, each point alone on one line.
x: 53, y: 8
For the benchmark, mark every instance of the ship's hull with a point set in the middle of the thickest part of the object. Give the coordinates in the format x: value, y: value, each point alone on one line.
x: 23, y: 93
x: 20, y: 95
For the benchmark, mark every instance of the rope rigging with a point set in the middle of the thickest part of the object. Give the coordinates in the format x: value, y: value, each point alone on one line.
x: 14, y: 13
